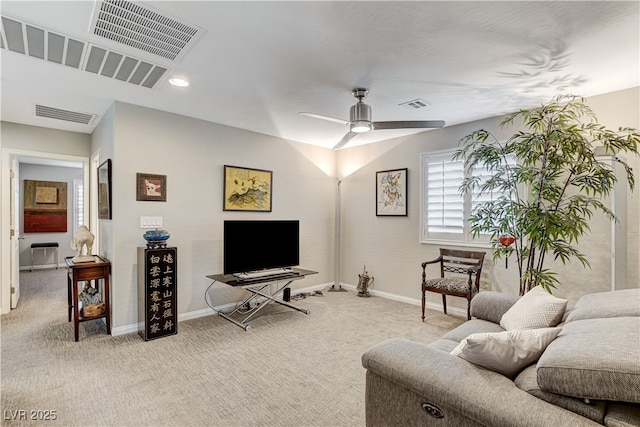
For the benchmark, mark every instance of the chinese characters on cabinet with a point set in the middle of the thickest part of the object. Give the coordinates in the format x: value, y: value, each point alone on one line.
x: 160, y: 299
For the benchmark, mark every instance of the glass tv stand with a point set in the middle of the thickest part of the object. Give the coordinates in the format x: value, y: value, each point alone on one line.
x: 267, y: 287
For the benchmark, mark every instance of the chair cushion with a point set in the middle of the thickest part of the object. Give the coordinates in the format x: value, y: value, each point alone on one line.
x: 506, y: 352
x: 450, y: 284
x: 536, y: 309
x: 594, y: 359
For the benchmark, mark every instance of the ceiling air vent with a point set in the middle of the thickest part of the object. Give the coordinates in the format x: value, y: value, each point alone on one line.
x: 414, y: 104
x: 115, y: 65
x: 40, y: 43
x: 66, y: 115
x: 53, y: 46
x: 143, y: 28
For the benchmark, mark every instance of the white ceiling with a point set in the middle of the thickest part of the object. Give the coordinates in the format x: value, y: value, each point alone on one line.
x: 258, y: 64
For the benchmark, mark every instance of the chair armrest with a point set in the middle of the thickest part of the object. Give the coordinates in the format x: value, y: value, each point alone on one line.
x: 433, y: 261
x: 491, y: 306
x: 456, y: 386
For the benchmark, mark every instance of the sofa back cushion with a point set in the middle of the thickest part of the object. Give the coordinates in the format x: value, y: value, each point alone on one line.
x: 594, y: 359
x: 623, y: 303
x: 492, y: 305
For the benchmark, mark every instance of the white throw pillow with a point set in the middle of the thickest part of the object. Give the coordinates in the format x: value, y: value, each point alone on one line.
x: 536, y: 309
x: 506, y: 352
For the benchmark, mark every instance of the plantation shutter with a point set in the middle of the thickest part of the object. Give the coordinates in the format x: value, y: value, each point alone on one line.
x: 484, y: 175
x: 476, y: 198
x: 444, y: 205
x: 78, y: 196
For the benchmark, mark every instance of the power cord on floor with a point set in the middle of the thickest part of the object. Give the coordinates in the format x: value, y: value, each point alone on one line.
x: 303, y: 295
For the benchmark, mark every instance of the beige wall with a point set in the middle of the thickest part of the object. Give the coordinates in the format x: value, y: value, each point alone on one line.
x: 192, y: 153
x: 44, y: 140
x: 390, y: 248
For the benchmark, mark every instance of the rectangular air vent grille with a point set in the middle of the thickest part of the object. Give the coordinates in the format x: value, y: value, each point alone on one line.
x: 415, y: 104
x: 55, y: 47
x: 66, y: 115
x: 142, y: 28
x: 123, y: 67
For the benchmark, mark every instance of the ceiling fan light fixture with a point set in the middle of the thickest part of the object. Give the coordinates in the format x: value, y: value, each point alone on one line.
x: 360, y: 116
x: 360, y: 119
x: 360, y: 126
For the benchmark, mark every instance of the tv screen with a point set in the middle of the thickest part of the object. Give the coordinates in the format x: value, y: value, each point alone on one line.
x: 260, y: 245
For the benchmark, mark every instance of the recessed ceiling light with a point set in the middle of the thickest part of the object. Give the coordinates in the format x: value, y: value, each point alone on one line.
x: 179, y: 81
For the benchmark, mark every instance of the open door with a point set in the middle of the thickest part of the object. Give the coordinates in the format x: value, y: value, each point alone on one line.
x: 14, y: 224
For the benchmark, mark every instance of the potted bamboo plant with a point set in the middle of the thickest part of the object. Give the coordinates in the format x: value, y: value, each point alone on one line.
x: 546, y: 182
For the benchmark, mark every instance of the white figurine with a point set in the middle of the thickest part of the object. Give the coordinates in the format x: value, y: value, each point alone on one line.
x: 82, y: 238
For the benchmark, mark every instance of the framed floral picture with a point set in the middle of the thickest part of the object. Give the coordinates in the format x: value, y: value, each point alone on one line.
x: 247, y: 189
x: 391, y: 192
x: 151, y: 187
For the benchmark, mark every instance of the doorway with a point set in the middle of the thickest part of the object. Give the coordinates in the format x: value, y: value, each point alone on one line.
x: 9, y: 251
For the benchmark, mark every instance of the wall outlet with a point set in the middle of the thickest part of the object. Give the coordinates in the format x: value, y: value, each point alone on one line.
x: 150, y: 222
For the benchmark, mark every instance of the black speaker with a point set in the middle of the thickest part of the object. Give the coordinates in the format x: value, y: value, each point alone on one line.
x: 286, y: 295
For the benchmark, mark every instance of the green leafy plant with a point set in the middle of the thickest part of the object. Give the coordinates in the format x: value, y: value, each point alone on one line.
x: 546, y: 182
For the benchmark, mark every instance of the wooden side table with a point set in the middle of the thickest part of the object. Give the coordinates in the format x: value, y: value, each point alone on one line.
x: 95, y: 272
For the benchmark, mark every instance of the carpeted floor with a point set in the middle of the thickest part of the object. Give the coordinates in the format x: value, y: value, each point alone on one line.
x: 291, y: 369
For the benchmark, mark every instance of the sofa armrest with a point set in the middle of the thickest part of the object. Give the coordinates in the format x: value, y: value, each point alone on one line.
x: 490, y: 305
x: 458, y: 388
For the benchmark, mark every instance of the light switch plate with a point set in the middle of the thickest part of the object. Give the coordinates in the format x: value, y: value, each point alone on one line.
x: 150, y: 221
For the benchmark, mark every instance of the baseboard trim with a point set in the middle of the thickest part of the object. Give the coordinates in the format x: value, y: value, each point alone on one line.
x: 134, y: 328
x: 413, y: 301
x: 41, y: 267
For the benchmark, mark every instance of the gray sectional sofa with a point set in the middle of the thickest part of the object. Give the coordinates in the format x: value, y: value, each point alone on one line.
x: 588, y: 375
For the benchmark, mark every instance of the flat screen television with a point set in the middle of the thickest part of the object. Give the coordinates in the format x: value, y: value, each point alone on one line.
x: 254, y: 245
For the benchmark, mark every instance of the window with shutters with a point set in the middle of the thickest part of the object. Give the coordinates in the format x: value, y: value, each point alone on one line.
x: 444, y: 209
x: 78, y: 201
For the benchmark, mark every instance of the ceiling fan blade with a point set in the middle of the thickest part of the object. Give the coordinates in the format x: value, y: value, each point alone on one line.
x: 348, y: 137
x: 331, y: 119
x: 421, y: 124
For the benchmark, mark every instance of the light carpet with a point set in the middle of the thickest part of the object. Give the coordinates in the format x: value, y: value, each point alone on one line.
x: 291, y: 369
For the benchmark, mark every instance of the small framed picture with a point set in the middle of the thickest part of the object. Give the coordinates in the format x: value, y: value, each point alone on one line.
x: 391, y: 192
x: 151, y: 187
x: 247, y: 189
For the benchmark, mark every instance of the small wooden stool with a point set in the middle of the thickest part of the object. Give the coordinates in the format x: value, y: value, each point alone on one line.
x: 45, y: 246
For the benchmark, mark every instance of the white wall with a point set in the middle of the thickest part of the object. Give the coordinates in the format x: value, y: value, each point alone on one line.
x: 192, y: 153
x: 389, y: 246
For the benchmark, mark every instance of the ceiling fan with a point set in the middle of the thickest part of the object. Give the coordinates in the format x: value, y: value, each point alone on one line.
x: 360, y: 120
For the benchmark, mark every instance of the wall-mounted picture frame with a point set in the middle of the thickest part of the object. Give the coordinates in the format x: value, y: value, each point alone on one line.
x: 391, y: 192
x: 247, y: 189
x: 104, y: 190
x: 45, y: 207
x: 151, y: 187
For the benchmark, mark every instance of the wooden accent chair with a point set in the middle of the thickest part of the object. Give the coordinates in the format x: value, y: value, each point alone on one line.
x: 454, y: 263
